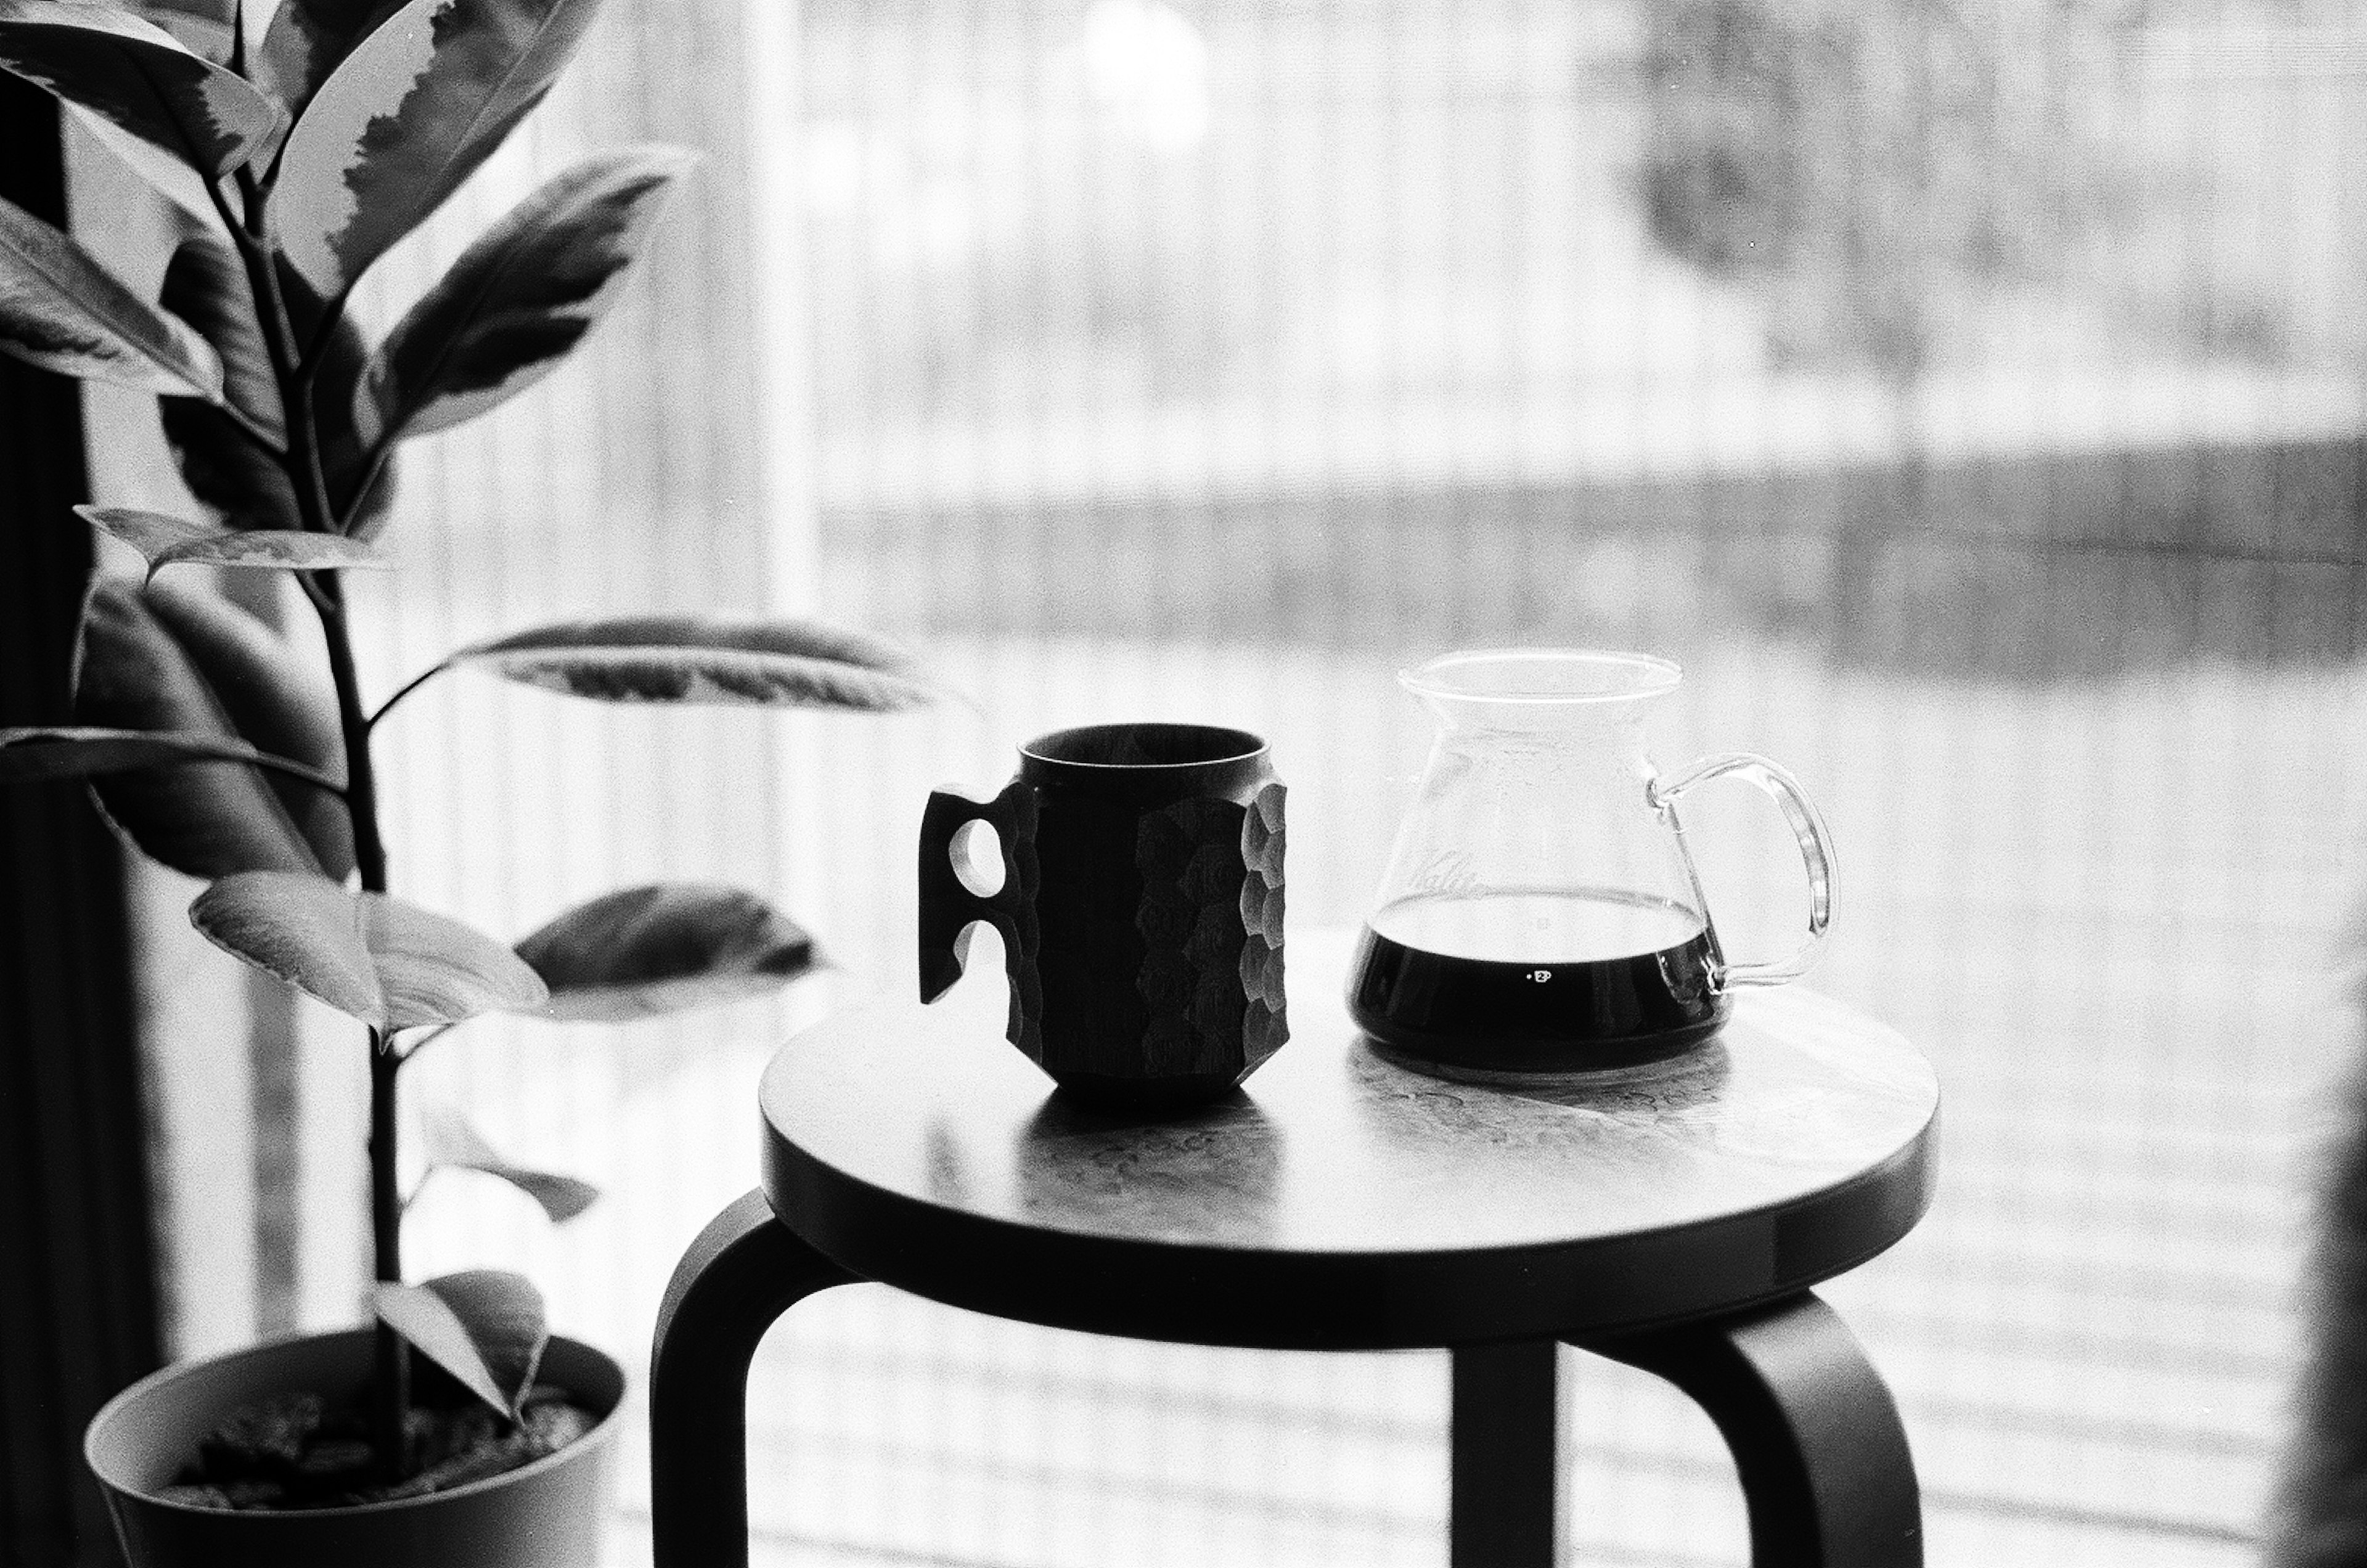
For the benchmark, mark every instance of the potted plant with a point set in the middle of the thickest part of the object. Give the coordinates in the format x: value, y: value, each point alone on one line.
x: 454, y: 1429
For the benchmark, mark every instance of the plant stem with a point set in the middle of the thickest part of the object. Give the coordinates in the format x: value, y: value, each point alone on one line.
x: 390, y: 1413
x: 302, y: 462
x: 361, y: 778
x: 372, y: 471
x: 391, y: 1384
x: 386, y: 1197
x: 405, y: 690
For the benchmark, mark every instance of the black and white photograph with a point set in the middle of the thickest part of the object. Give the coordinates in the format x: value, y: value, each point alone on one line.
x: 1182, y: 783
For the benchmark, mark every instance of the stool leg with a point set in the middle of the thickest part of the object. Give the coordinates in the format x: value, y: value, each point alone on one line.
x: 745, y: 1269
x: 1823, y: 1458
x: 1506, y: 1462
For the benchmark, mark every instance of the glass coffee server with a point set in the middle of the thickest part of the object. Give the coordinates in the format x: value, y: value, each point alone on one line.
x: 1541, y: 911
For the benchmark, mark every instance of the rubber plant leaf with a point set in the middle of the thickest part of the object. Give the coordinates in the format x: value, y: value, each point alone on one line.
x: 139, y: 76
x: 63, y: 311
x: 411, y: 112
x: 484, y: 1326
x: 435, y: 970
x: 682, y: 659
x: 666, y: 948
x: 139, y: 670
x: 281, y: 703
x: 64, y: 751
x: 207, y: 27
x: 423, y: 967
x: 166, y: 540
x: 522, y: 297
x: 172, y: 179
x: 205, y: 286
x: 450, y: 1143
x: 303, y: 930
x: 309, y: 39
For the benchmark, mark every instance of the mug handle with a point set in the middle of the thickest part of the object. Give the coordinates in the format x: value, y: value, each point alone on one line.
x: 948, y: 908
x: 1807, y: 827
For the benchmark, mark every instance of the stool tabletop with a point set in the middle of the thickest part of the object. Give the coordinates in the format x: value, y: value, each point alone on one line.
x: 1339, y: 1199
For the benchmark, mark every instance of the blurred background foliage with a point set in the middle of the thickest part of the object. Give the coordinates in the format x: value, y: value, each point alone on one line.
x: 1879, y: 172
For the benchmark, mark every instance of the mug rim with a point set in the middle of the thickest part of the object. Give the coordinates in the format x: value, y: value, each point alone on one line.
x: 1250, y: 746
x: 1648, y: 675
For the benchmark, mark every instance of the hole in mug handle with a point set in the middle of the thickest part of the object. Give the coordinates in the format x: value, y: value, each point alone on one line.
x: 952, y: 876
x: 976, y: 856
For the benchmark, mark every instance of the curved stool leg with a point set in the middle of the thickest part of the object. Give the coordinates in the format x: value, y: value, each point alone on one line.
x: 1823, y: 1458
x: 745, y: 1269
x: 1505, y: 1468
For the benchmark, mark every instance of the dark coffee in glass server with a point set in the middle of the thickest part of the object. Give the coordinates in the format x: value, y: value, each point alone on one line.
x: 1537, y: 981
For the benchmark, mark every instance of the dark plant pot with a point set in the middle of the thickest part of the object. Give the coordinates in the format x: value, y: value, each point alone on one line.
x: 548, y: 1514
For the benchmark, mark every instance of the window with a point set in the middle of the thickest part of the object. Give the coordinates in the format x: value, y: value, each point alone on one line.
x: 1969, y: 393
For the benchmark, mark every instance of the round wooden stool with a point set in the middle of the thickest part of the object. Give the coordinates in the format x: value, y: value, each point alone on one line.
x: 1673, y: 1217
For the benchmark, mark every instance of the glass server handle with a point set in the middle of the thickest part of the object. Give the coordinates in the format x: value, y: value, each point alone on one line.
x: 1807, y: 826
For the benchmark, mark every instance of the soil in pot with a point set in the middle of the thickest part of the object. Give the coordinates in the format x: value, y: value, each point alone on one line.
x: 304, y: 1451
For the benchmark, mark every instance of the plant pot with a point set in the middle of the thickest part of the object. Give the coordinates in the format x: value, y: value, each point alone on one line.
x: 548, y: 1514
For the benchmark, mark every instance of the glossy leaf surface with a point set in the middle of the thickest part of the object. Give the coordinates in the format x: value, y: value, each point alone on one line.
x: 165, y: 541
x: 224, y: 466
x: 484, y: 1326
x: 669, y: 948
x: 206, y: 27
x: 389, y: 963
x: 309, y: 39
x: 450, y: 1142
x: 521, y: 296
x: 76, y: 753
x: 503, y: 1313
x: 427, y: 1323
x: 139, y: 76
x: 409, y: 114
x: 435, y: 970
x: 63, y: 311
x: 221, y: 462
x: 274, y: 698
x: 303, y: 930
x: 209, y: 819
x: 173, y: 179
x: 205, y: 286
x: 681, y: 659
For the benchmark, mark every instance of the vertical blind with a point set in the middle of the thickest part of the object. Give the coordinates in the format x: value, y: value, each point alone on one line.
x: 1966, y: 392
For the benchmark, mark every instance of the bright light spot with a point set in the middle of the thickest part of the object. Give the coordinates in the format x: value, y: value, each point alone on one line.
x: 1148, y: 65
x: 832, y: 153
x: 944, y: 220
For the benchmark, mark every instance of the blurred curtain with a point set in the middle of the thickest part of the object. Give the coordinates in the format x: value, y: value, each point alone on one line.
x: 77, y: 1305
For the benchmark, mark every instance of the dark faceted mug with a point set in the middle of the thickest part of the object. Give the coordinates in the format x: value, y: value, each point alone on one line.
x: 1140, y: 909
